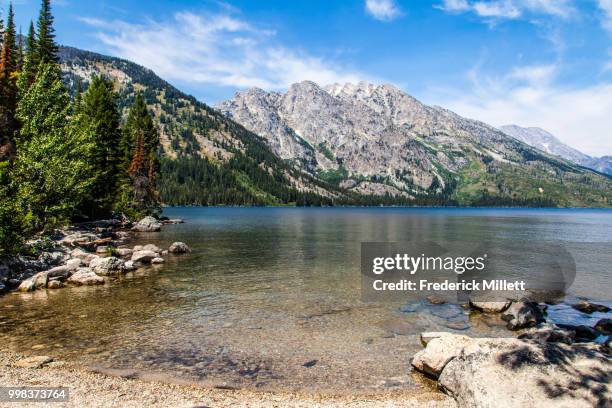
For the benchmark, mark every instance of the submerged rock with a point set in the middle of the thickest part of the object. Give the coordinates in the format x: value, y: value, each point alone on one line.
x: 585, y: 306
x: 147, y: 224
x: 179, y: 248
x: 157, y: 260
x: 490, y: 307
x: 438, y: 353
x: 33, y: 362
x: 604, y: 326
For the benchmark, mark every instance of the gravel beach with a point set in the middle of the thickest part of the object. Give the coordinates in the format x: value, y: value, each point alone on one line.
x: 91, y: 389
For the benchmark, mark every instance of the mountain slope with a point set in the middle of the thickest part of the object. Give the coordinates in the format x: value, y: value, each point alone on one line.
x: 206, y: 158
x: 376, y: 138
x: 541, y: 139
x: 351, y: 144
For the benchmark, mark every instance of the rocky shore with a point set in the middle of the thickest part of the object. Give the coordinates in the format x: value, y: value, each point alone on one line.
x: 546, y: 365
x: 85, y: 254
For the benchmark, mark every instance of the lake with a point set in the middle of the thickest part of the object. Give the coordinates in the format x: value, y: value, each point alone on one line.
x: 270, y: 297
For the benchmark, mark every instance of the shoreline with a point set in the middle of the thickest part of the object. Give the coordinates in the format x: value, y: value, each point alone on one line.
x: 92, y: 389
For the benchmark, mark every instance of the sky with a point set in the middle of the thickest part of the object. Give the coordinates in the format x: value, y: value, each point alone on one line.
x: 544, y: 63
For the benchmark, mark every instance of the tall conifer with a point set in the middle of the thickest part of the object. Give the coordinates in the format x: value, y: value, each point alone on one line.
x: 46, y: 47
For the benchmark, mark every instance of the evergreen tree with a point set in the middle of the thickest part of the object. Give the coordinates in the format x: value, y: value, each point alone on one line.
x: 46, y: 48
x: 20, y: 51
x: 139, y: 144
x: 10, y: 215
x: 30, y: 61
x: 96, y: 117
x: 8, y: 87
x: 51, y: 168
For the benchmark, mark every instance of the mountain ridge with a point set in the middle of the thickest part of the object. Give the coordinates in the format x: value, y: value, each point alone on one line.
x: 297, y: 151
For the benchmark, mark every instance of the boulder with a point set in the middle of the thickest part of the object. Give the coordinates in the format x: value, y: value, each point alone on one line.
x: 33, y: 362
x: 85, y: 276
x: 138, y: 248
x: 143, y: 256
x: 124, y: 252
x: 585, y: 306
x: 129, y: 266
x: 55, y: 284
x: 514, y: 373
x: 102, y: 249
x: 147, y: 224
x: 84, y: 256
x: 549, y: 333
x: 490, y: 307
x: 73, y: 264
x: 38, y: 281
x: 151, y: 247
x: 107, y: 266
x: 582, y: 333
x: 179, y: 248
x: 27, y: 285
x: 522, y: 314
x: 604, y: 326
x: 157, y: 260
x: 438, y: 353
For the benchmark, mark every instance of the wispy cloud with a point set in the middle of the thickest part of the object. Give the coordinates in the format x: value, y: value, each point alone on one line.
x: 532, y: 96
x: 509, y: 9
x: 217, y: 49
x: 383, y: 10
x: 606, y: 8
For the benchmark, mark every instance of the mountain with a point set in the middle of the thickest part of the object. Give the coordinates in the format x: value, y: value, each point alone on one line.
x: 343, y: 144
x: 378, y: 139
x: 543, y: 140
x: 206, y: 158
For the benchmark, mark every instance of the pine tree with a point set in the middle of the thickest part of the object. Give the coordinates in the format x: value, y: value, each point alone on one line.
x: 20, y: 51
x: 52, y: 171
x: 139, y: 144
x: 8, y: 88
x: 97, y: 118
x: 30, y: 61
x: 46, y: 48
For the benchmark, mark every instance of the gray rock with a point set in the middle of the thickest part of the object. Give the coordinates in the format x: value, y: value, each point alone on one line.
x: 157, y: 260
x: 55, y: 284
x: 604, y: 326
x: 129, y: 266
x: 549, y: 333
x: 85, y: 276
x: 107, y: 266
x: 514, y: 373
x: 143, y: 256
x: 179, y: 248
x: 124, y: 252
x: 585, y: 306
x: 73, y: 264
x: 438, y: 353
x: 522, y: 314
x: 426, y: 337
x: 151, y: 247
x: 102, y: 249
x: 147, y: 224
x: 84, y: 256
x: 490, y: 307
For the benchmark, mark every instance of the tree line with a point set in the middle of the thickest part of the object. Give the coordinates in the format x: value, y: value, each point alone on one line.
x: 65, y: 158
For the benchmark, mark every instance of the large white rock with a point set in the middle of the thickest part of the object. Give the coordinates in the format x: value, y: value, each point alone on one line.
x: 513, y: 373
x: 107, y: 266
x: 143, y: 256
x: 85, y: 276
x: 438, y: 353
x: 147, y: 224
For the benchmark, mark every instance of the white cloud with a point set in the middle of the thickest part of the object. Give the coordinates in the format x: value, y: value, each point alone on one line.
x: 606, y: 7
x: 217, y: 49
x: 509, y: 9
x: 528, y: 96
x: 383, y: 10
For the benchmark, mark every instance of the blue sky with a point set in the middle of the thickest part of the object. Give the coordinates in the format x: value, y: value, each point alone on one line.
x: 544, y: 63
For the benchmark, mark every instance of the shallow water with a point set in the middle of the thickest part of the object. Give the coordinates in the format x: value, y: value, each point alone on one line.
x: 270, y: 297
